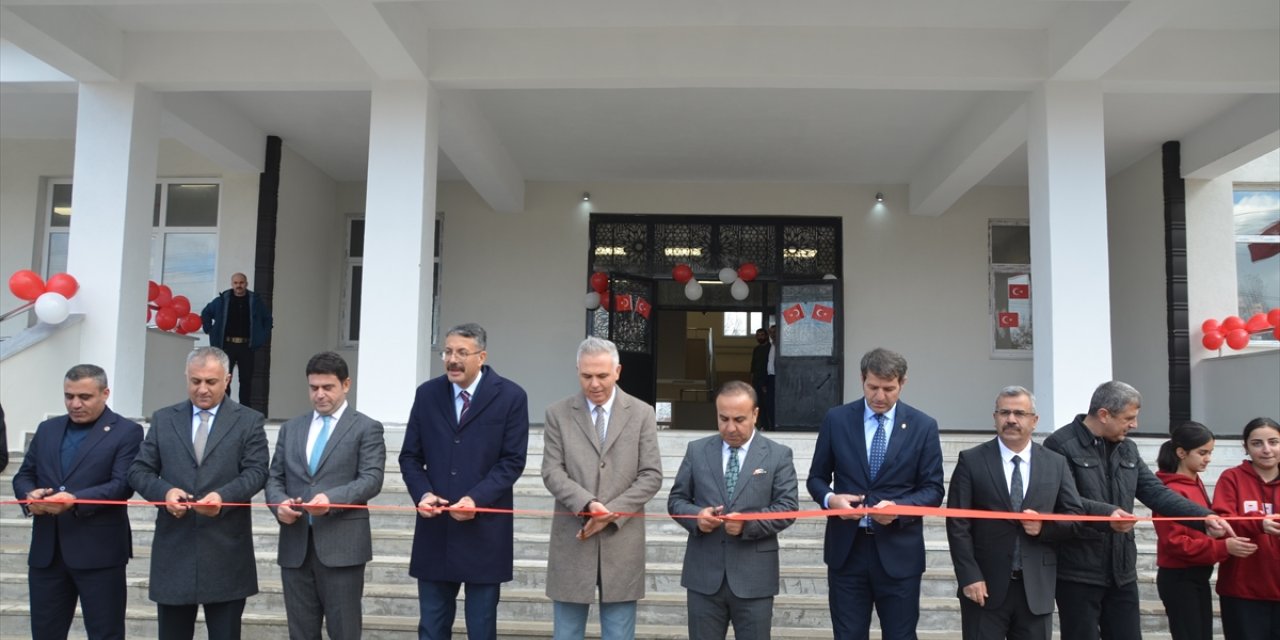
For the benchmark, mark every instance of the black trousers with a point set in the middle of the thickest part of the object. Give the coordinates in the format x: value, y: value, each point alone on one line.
x: 1012, y: 619
x: 54, y: 590
x: 1250, y: 619
x: 241, y: 356
x: 1188, y: 601
x: 1090, y: 612
x: 178, y: 621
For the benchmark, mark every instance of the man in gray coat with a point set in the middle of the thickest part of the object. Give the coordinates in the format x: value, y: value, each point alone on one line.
x: 199, y: 454
x: 731, y: 565
x: 600, y: 456
x: 332, y: 455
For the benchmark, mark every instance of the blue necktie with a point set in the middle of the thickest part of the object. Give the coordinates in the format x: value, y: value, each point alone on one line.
x: 321, y: 440
x: 877, y: 455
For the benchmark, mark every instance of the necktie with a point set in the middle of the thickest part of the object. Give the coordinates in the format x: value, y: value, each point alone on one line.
x: 601, y: 425
x: 466, y: 404
x: 317, y: 449
x: 202, y: 435
x: 731, y: 472
x: 1015, y: 496
x: 878, y: 445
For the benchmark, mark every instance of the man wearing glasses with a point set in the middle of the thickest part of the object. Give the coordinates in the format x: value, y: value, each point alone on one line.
x: 1007, y: 569
x: 464, y: 448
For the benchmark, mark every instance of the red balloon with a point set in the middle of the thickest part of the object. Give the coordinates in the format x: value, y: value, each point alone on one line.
x: 26, y: 285
x: 682, y: 273
x: 606, y: 301
x: 748, y: 272
x: 153, y: 290
x: 1210, y: 326
x: 1273, y: 317
x: 600, y: 282
x: 1257, y: 323
x: 148, y: 313
x: 1231, y: 323
x: 181, y: 305
x: 63, y: 283
x: 164, y: 297
x: 191, y: 323
x: 1237, y: 339
x: 166, y: 319
x: 1212, y: 340
x: 178, y: 329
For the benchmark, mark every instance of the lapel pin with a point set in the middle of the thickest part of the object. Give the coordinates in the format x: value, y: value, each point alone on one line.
x: 904, y: 426
x: 106, y: 428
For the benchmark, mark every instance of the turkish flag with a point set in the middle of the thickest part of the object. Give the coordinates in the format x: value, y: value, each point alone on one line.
x: 643, y: 307
x: 793, y: 313
x: 823, y: 313
x: 1019, y: 292
x: 1008, y: 319
x: 622, y: 302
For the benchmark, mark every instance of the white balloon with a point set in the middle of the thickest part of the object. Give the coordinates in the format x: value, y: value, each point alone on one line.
x: 727, y: 275
x: 592, y: 301
x: 52, y: 308
x: 829, y: 276
x: 693, y: 290
x: 739, y: 290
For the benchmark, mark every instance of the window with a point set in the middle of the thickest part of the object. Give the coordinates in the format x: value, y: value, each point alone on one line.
x: 184, y: 235
x: 1009, y: 273
x: 353, y: 285
x: 1257, y: 229
x: 742, y: 323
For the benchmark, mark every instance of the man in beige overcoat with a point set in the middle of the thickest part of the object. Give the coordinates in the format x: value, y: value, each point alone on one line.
x: 600, y: 456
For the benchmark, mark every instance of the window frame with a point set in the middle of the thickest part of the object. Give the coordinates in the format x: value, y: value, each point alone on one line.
x: 1000, y: 270
x: 1265, y: 340
x: 347, y: 311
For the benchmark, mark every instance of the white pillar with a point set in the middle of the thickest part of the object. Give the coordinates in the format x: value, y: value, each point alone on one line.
x: 399, y: 236
x: 1071, y: 300
x: 109, y: 251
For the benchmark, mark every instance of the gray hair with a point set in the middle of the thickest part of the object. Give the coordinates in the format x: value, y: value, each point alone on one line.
x: 469, y: 330
x: 595, y: 346
x: 1115, y: 397
x: 1015, y: 391
x: 201, y: 354
x: 884, y: 363
x: 82, y: 371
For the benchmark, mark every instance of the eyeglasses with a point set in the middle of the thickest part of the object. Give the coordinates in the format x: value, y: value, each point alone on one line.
x: 1017, y: 413
x: 462, y: 354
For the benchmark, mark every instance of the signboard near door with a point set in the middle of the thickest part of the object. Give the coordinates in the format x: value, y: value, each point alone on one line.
x: 810, y: 378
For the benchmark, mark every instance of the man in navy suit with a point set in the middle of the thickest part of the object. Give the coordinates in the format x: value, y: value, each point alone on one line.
x: 79, y: 550
x: 880, y: 453
x: 464, y: 447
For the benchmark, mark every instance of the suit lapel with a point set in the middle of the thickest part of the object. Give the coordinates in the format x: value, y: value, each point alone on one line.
x: 297, y: 431
x: 96, y: 434
x: 715, y: 463
x: 486, y: 391
x: 339, y: 432
x: 1036, y: 483
x: 55, y: 443
x: 995, y: 468
x: 582, y: 419
x: 746, y: 469
x: 616, y: 420
x: 180, y: 422
x: 858, y: 438
x: 898, y: 431
x: 223, y: 422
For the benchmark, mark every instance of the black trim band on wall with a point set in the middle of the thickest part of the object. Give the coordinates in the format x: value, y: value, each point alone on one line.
x: 264, y: 263
x: 1175, y: 269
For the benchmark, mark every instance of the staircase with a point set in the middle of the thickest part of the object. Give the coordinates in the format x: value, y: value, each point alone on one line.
x: 391, y: 605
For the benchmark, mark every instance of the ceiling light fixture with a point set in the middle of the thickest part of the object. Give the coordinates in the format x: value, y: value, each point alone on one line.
x: 586, y: 196
x: 879, y: 197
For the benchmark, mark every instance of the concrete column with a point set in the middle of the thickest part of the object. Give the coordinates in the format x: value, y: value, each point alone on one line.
x: 109, y: 251
x: 1071, y: 308
x: 399, y: 236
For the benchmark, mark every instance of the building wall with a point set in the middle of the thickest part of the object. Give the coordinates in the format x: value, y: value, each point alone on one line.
x: 1139, y: 339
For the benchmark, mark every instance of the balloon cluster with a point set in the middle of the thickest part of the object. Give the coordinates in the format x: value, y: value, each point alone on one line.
x: 599, y: 295
x: 172, y: 313
x: 736, y: 278
x: 48, y: 298
x: 1234, y: 330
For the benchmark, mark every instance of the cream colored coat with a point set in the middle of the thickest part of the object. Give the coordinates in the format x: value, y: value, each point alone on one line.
x: 623, y: 475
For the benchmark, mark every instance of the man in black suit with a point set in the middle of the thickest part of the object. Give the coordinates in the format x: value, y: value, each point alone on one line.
x: 198, y: 454
x: 79, y: 551
x: 760, y: 375
x: 1007, y: 569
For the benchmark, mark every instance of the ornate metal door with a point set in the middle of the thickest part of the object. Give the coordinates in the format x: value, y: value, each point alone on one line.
x: 626, y: 317
x: 810, y: 354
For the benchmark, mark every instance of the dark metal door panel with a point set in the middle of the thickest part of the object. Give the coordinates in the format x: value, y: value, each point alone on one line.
x: 629, y: 322
x: 809, y: 363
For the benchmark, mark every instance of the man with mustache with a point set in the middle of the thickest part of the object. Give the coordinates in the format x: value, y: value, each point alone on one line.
x: 464, y: 447
x: 1006, y: 569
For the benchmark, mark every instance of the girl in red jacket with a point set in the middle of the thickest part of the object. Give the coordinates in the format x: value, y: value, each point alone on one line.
x: 1249, y: 587
x: 1185, y: 556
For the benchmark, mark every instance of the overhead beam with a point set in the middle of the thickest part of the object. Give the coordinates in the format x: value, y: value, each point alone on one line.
x: 473, y: 145
x: 1200, y: 61
x: 994, y: 130
x: 68, y: 39
x: 214, y: 130
x: 1231, y: 140
x: 381, y: 44
x: 1085, y: 44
